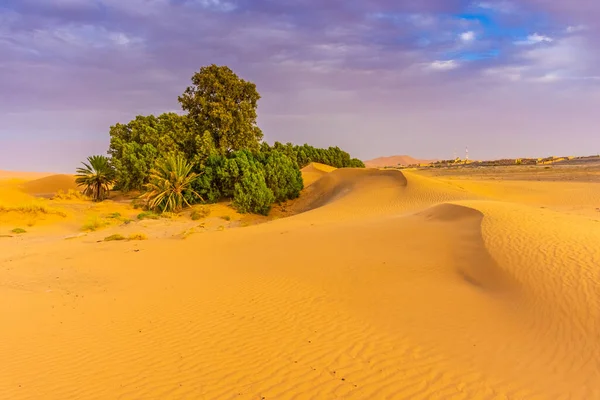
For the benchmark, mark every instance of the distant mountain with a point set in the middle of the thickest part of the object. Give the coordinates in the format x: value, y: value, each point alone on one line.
x: 394, y: 161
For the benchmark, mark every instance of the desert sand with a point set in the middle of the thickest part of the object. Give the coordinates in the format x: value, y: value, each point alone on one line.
x: 372, y: 285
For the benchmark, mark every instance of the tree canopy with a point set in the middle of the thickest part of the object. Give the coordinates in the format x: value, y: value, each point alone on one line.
x: 221, y: 103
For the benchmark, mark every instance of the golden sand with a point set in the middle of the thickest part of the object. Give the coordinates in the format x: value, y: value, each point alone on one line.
x: 380, y: 285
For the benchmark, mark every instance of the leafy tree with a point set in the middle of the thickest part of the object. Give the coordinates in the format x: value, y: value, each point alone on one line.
x: 282, y: 176
x: 135, y: 146
x: 170, y: 184
x: 225, y: 105
x: 96, y: 178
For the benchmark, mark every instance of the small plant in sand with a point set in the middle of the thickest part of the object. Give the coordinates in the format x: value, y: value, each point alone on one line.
x: 137, y: 236
x: 148, y: 215
x: 34, y: 209
x: 68, y: 195
x: 94, y: 223
x: 96, y: 177
x: 19, y: 231
x: 114, y: 237
x: 226, y: 217
x: 199, y: 213
x: 170, y: 183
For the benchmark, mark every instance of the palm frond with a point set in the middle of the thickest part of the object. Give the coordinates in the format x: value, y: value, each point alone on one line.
x: 170, y: 180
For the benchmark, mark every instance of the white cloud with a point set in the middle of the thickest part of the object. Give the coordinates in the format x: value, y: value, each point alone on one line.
x: 548, y: 78
x: 535, y: 39
x: 446, y: 65
x: 576, y: 28
x: 505, y: 7
x: 467, y: 36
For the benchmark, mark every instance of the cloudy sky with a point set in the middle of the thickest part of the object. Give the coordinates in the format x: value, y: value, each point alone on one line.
x: 380, y: 77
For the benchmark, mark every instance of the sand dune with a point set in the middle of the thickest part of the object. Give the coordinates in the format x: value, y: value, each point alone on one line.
x: 49, y: 185
x: 314, y: 171
x: 393, y: 161
x: 380, y: 285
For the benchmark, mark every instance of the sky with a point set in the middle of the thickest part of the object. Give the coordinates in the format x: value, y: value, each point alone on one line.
x: 420, y: 77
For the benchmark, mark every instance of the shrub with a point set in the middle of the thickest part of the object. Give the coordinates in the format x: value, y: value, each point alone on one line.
x: 19, y: 231
x: 226, y: 217
x: 251, y: 194
x: 68, y: 195
x: 114, y: 237
x: 282, y: 176
x: 94, y: 223
x: 137, y: 236
x: 209, y: 181
x: 199, y: 213
x: 148, y: 215
x: 114, y: 215
x: 170, y: 185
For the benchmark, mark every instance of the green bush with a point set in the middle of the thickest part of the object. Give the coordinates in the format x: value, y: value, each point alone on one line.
x: 19, y: 231
x: 282, y: 176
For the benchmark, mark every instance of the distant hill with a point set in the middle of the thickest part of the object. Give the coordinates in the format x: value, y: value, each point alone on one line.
x: 393, y: 161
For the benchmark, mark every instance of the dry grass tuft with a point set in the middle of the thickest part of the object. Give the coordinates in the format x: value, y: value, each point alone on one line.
x: 114, y: 237
x: 34, y: 209
x: 137, y: 236
x: 200, y: 212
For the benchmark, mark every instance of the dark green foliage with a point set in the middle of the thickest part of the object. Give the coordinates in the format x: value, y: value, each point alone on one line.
x: 96, y: 178
x: 251, y: 193
x: 19, y: 231
x: 221, y: 103
x: 208, y: 184
x: 243, y: 179
x: 282, y: 176
x: 305, y: 154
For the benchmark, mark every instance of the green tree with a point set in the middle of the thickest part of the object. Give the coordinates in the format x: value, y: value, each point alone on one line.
x: 170, y: 185
x: 135, y: 146
x: 225, y: 105
x: 96, y: 177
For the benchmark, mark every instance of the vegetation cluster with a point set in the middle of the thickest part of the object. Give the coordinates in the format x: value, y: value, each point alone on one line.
x: 214, y: 151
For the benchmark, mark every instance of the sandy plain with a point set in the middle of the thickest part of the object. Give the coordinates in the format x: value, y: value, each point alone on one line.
x: 374, y: 284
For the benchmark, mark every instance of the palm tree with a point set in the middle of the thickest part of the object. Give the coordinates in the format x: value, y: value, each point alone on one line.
x: 97, y: 177
x: 170, y: 183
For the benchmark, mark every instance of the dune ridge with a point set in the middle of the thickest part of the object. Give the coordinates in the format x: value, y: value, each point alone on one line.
x: 379, y: 284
